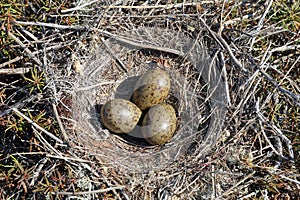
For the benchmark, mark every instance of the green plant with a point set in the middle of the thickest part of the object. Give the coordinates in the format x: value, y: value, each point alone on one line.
x: 288, y: 15
x: 15, y: 124
x: 36, y: 81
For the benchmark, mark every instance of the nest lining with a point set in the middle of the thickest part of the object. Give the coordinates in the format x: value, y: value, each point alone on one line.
x: 197, y: 93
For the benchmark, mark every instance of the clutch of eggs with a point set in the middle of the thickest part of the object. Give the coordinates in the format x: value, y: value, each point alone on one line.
x: 159, y: 123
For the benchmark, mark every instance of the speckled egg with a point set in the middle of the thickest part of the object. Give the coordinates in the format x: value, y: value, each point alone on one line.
x: 151, y: 88
x: 159, y: 124
x: 120, y: 115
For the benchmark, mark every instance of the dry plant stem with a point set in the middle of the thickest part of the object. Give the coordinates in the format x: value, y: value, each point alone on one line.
x: 89, y: 192
x: 107, y: 181
x: 62, y: 129
x: 15, y: 71
x: 154, y: 16
x: 51, y: 25
x: 221, y: 56
x: 224, y: 44
x: 167, y: 6
x: 37, y: 126
x: 260, y: 23
x: 11, y: 61
x: 281, y: 135
x: 285, y: 75
x: 58, y: 46
x: 38, y: 170
x: 45, y: 142
x: 290, y: 179
x: 19, y: 104
x: 30, y: 35
x: 236, y: 185
x: 25, y: 48
x: 79, y: 7
x: 68, y: 159
x: 139, y: 45
x: 96, y: 85
x: 286, y: 48
x: 294, y: 97
x: 213, y: 182
x: 113, y: 55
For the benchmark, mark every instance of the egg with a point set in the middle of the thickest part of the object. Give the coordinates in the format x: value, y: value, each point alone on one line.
x: 151, y: 88
x: 159, y: 124
x: 120, y: 115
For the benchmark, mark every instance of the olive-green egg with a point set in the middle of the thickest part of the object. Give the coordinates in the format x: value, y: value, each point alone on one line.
x: 159, y: 124
x: 151, y: 88
x: 120, y: 115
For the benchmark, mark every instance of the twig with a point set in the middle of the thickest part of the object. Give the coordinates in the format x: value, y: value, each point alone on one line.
x: 259, y: 26
x: 223, y: 43
x: 19, y: 104
x: 54, y: 47
x: 96, y: 85
x: 167, y: 6
x: 51, y: 25
x: 289, y: 179
x: 236, y: 185
x: 25, y: 48
x: 224, y: 72
x: 15, y: 71
x: 213, y: 182
x: 38, y: 169
x: 294, y: 97
x: 285, y: 48
x: 46, y: 143
x: 68, y: 158
x: 62, y: 129
x: 153, y: 16
x: 139, y: 45
x: 114, y: 56
x: 37, y: 126
x: 11, y: 61
x: 79, y: 7
x: 281, y: 135
x: 89, y: 192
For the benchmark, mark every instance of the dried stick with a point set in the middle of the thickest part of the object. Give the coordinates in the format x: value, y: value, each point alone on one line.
x: 54, y: 47
x: 113, y: 55
x: 79, y: 7
x: 11, y: 61
x: 259, y: 26
x: 236, y: 185
x: 15, y: 71
x: 139, y: 45
x: 46, y: 143
x: 223, y: 67
x: 19, y: 104
x: 50, y: 25
x: 281, y: 135
x: 38, y: 170
x: 25, y: 48
x: 294, y: 97
x: 153, y: 16
x: 167, y: 6
x: 37, y: 126
x: 224, y: 44
x: 62, y: 129
x: 89, y: 192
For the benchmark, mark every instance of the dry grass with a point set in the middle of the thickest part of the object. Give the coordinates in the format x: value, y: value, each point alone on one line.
x: 44, y: 48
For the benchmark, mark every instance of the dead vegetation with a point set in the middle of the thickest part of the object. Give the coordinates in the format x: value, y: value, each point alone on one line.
x: 46, y: 46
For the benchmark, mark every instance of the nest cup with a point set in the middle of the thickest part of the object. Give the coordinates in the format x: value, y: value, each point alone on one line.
x: 197, y: 93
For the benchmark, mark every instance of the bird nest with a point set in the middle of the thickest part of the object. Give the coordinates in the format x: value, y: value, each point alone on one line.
x: 110, y: 71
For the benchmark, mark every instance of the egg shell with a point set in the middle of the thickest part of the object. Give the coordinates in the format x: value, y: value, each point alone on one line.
x: 159, y: 124
x: 151, y: 88
x: 120, y: 115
